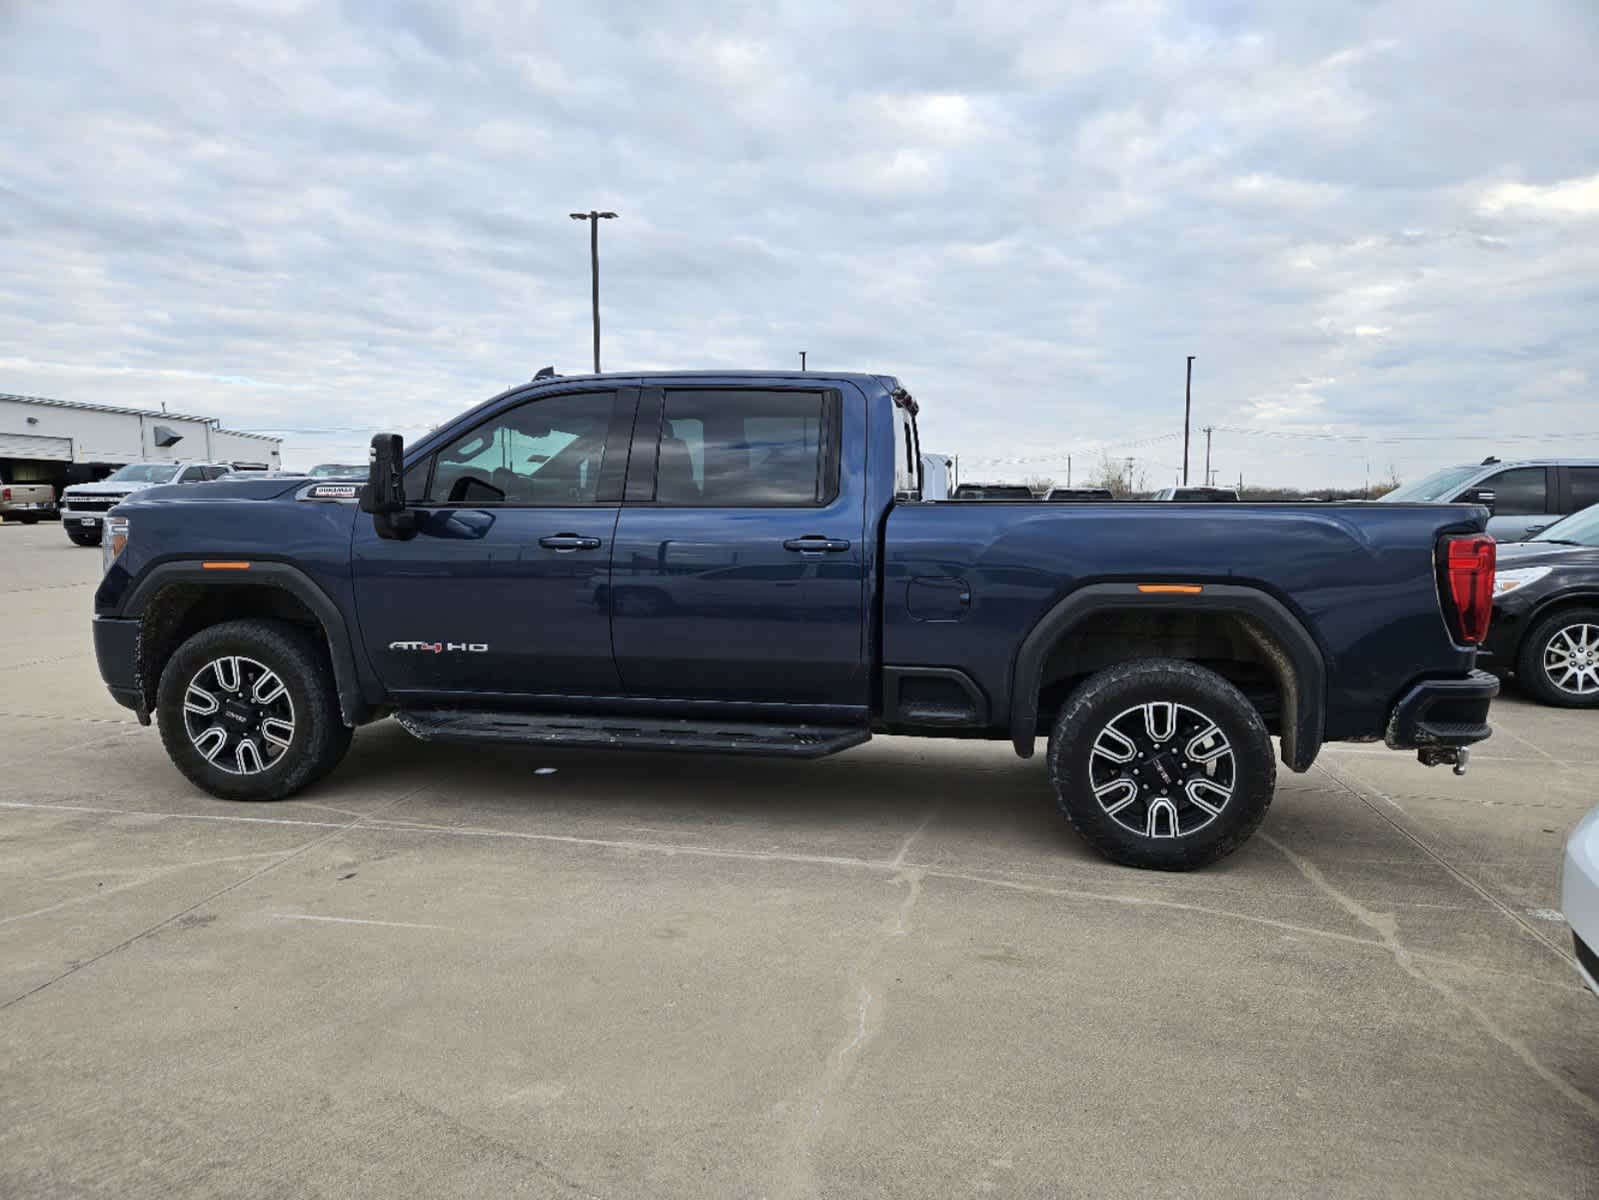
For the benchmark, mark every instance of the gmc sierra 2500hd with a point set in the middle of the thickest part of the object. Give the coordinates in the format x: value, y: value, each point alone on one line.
x: 742, y: 563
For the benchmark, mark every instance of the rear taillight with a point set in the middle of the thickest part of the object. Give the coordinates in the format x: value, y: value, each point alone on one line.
x: 1469, y: 572
x: 5, y: 493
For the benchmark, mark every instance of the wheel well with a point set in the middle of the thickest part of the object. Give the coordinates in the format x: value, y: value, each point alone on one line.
x: 1555, y: 608
x: 180, y: 610
x: 1227, y: 643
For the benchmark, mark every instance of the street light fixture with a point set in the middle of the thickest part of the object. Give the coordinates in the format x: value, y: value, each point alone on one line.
x: 594, y: 217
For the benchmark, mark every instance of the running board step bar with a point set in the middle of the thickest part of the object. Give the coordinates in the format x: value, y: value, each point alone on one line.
x: 630, y: 733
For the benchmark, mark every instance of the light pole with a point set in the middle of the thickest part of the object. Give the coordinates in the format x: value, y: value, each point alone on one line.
x: 1188, y: 407
x: 594, y: 218
x: 802, y: 360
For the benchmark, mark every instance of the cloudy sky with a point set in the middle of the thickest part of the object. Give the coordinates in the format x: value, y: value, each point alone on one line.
x: 1378, y: 222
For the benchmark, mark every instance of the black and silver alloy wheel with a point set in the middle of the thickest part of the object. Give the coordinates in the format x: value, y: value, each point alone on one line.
x: 1558, y: 661
x: 1161, y: 763
x: 1162, y: 769
x: 238, y: 714
x: 248, y: 709
x: 1571, y: 659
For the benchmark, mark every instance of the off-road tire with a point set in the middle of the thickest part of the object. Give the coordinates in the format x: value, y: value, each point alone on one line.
x: 80, y: 538
x: 1112, y: 697
x: 1534, y: 679
x: 319, y: 738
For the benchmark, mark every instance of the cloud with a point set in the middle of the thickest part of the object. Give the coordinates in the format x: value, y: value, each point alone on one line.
x: 1573, y: 197
x: 352, y: 216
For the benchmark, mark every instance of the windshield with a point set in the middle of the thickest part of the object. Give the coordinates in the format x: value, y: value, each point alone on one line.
x: 143, y: 473
x: 336, y: 471
x: 1580, y: 527
x: 1440, y: 485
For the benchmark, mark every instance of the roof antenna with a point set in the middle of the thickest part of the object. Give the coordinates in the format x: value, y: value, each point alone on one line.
x: 1489, y: 461
x: 544, y: 373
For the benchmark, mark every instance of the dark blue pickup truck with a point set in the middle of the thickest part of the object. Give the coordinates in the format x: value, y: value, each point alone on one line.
x: 742, y: 563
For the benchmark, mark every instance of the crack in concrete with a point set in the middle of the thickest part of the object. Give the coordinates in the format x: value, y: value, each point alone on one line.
x: 151, y: 875
x: 204, y: 900
x: 1386, y: 927
x: 922, y: 871
x: 799, y: 1178
x: 1455, y: 872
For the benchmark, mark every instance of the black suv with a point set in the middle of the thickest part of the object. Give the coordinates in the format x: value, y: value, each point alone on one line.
x: 1546, y: 612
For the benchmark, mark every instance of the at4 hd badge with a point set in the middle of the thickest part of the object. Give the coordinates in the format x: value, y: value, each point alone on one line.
x: 442, y: 647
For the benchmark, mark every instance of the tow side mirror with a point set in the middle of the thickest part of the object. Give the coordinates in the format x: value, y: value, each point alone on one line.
x: 384, y: 493
x: 1482, y: 496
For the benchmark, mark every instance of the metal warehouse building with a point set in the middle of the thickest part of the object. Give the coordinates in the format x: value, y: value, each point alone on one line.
x: 62, y: 441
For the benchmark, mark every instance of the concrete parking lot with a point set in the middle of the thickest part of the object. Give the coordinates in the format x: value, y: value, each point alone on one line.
x: 890, y: 973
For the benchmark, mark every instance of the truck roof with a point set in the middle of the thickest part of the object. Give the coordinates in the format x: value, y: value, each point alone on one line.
x: 887, y: 381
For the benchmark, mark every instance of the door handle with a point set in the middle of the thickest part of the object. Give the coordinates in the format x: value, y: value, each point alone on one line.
x: 816, y: 544
x: 565, y: 543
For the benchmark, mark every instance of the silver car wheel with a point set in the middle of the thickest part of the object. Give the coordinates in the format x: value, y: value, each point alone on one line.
x: 1162, y: 770
x: 238, y: 714
x: 1571, y: 659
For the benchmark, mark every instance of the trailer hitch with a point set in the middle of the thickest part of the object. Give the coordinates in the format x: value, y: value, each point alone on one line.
x: 1435, y: 756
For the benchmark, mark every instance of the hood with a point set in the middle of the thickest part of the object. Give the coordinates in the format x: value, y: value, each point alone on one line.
x: 227, y: 488
x: 1545, y: 554
x: 107, y: 488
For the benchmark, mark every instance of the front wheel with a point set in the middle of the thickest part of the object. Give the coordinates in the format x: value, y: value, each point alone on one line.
x: 1559, y: 660
x: 248, y: 710
x: 1163, y: 764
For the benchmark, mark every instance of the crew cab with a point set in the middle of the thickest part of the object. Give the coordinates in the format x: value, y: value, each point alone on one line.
x: 744, y: 564
x: 84, y: 505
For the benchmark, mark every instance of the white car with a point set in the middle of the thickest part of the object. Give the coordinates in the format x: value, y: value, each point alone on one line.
x: 1579, y: 895
x: 84, y: 505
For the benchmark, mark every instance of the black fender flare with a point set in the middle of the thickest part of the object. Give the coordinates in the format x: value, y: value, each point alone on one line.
x: 1278, y: 633
x: 354, y: 706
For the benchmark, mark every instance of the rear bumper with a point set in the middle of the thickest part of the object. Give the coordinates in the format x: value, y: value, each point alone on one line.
x: 1443, y: 713
x: 116, y: 648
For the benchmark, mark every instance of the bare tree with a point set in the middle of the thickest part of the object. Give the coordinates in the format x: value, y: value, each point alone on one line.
x: 1039, y: 485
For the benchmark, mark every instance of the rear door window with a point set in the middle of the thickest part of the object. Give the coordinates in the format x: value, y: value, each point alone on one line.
x: 1582, y: 484
x: 1520, y: 491
x: 736, y: 448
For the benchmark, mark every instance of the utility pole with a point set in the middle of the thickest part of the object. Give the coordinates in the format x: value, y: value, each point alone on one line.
x: 1188, y: 408
x: 802, y: 360
x: 1068, y: 470
x: 1130, y: 461
x: 594, y: 217
x: 1208, y: 429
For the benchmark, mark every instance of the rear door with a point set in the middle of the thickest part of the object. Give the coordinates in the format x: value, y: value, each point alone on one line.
x: 1582, y: 488
x: 739, y: 571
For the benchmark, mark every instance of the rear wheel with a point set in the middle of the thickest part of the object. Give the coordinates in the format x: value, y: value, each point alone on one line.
x: 84, y: 537
x: 1559, y: 659
x: 27, y: 518
x: 248, y: 710
x: 1160, y: 763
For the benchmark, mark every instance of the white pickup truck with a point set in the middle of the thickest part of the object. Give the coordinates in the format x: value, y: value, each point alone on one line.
x: 84, y: 505
x: 26, y: 502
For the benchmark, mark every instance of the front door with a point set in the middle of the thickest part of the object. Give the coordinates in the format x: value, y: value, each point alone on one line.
x: 503, y: 589
x: 739, y: 571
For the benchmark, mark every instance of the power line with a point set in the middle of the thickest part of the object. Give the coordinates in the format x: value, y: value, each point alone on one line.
x: 1314, y: 435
